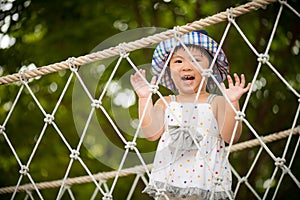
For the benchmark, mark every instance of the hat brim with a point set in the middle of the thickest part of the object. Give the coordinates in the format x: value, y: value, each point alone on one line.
x: 164, y: 48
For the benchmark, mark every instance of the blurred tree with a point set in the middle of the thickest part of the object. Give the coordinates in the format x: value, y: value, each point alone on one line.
x: 40, y: 32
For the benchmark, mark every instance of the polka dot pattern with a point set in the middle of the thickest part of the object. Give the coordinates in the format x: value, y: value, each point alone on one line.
x: 193, y: 168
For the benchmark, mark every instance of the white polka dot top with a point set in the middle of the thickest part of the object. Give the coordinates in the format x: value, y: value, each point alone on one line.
x: 191, y: 157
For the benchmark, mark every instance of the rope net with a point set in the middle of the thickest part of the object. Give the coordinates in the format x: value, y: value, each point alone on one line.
x: 107, y: 183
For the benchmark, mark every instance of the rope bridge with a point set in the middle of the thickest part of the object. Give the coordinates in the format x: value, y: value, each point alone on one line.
x: 105, y: 183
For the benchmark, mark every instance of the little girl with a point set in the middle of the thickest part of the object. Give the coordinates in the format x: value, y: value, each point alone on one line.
x: 190, y: 162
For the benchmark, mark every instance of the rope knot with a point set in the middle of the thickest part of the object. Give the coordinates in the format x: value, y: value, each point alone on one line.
x: 49, y: 119
x: 279, y: 162
x: 282, y: 2
x: 2, y: 129
x: 74, y: 154
x: 22, y: 76
x: 96, y: 103
x: 24, y: 170
x: 263, y: 58
x: 239, y: 116
x: 153, y: 89
x: 230, y: 16
x: 159, y: 193
x: 176, y: 31
x: 67, y: 185
x: 102, y: 181
x: 130, y: 145
x: 107, y: 197
x: 122, y: 50
x: 207, y: 73
x: 243, y: 179
x: 218, y: 181
x: 71, y: 63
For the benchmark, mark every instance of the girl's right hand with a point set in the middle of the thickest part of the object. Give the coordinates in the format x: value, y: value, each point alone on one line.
x: 141, y: 88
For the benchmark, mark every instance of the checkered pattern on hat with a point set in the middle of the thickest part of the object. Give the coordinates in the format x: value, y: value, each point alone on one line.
x: 200, y: 38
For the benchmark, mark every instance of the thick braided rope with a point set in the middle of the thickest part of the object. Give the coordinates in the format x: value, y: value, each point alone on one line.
x: 77, y: 180
x: 140, y: 169
x: 137, y: 44
x: 266, y: 139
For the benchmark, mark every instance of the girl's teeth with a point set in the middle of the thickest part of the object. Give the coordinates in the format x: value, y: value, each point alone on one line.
x: 188, y: 78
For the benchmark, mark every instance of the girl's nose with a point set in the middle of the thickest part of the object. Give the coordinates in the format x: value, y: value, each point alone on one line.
x: 187, y: 66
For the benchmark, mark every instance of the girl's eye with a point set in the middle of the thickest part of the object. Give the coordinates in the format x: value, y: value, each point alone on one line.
x: 177, y: 61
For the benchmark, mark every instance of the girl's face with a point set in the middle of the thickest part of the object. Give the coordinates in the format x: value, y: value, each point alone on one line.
x: 185, y: 73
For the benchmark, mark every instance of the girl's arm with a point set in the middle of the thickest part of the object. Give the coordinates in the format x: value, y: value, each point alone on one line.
x: 226, y: 119
x: 153, y: 121
x: 225, y: 113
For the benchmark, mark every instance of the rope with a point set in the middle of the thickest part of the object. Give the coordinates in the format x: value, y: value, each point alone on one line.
x: 137, y: 44
x: 267, y: 139
x: 77, y: 180
x: 140, y: 169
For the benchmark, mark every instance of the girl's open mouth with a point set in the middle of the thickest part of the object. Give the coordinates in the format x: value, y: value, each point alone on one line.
x: 187, y: 78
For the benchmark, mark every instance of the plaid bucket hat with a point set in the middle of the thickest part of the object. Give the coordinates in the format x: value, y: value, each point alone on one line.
x: 201, y: 38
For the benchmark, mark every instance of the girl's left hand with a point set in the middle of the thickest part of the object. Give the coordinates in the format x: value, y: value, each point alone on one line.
x: 235, y: 91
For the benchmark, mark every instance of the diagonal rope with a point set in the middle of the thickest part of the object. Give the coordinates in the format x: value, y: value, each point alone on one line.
x: 244, y: 179
x: 140, y: 169
x: 122, y: 50
x: 137, y: 44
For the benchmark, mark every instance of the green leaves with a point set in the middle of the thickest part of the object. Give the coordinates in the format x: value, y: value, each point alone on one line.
x: 47, y: 32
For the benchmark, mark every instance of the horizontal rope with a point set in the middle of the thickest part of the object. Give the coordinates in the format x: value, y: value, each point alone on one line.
x: 77, y: 180
x: 266, y: 139
x: 140, y: 169
x: 137, y: 44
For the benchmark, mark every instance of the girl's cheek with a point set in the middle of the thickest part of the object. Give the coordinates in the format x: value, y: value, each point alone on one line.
x: 174, y: 69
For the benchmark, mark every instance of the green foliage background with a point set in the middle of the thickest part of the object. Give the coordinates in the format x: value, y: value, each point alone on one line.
x: 47, y: 32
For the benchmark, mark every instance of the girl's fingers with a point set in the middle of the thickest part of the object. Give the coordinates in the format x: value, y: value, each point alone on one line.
x: 237, y: 79
x: 143, y: 72
x: 153, y: 80
x: 243, y: 81
x: 230, y: 82
x: 137, y: 77
x: 139, y: 74
x: 248, y: 87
